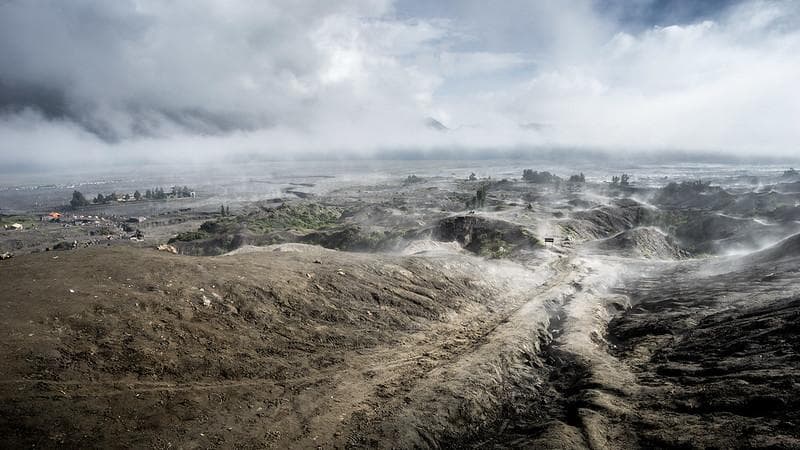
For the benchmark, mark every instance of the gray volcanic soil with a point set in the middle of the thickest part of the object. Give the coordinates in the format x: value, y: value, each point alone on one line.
x: 264, y: 348
x: 422, y: 325
x: 643, y: 242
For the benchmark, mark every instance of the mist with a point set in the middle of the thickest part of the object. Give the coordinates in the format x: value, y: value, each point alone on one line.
x: 92, y: 82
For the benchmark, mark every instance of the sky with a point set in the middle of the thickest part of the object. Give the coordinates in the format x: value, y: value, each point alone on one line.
x: 94, y: 81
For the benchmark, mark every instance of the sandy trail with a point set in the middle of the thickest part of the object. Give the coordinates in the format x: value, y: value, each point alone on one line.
x: 381, y: 394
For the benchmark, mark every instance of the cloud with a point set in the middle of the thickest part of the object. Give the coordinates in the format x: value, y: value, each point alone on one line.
x: 208, y: 79
x: 728, y: 85
x: 132, y: 68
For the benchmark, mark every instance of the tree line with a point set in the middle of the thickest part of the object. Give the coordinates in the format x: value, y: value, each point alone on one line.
x: 157, y: 193
x: 545, y: 177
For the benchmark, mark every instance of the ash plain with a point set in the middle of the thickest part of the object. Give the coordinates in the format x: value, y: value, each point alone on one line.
x: 351, y: 305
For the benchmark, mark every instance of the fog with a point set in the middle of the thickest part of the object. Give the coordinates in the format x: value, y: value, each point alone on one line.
x: 106, y: 82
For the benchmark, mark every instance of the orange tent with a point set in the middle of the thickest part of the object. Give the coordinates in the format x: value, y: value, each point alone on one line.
x: 55, y: 215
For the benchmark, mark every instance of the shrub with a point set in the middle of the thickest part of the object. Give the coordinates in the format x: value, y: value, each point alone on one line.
x: 78, y: 200
x: 533, y: 176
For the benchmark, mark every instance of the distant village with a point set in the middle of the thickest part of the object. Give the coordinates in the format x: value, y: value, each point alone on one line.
x: 79, y: 200
x: 101, y: 227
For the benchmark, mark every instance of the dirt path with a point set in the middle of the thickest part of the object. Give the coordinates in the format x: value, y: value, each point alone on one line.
x: 393, y: 387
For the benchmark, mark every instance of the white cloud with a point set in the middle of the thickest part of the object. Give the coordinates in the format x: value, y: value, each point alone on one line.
x: 281, y: 77
x: 731, y: 85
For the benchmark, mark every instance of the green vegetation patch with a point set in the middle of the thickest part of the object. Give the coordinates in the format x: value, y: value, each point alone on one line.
x: 189, y: 236
x: 499, y: 244
x: 355, y: 238
x: 298, y: 216
x: 492, y: 245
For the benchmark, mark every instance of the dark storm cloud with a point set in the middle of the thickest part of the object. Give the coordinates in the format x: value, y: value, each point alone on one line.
x: 124, y: 68
x: 49, y: 50
x: 15, y: 96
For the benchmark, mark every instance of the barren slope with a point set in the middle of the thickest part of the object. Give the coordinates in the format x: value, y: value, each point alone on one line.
x: 268, y: 348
